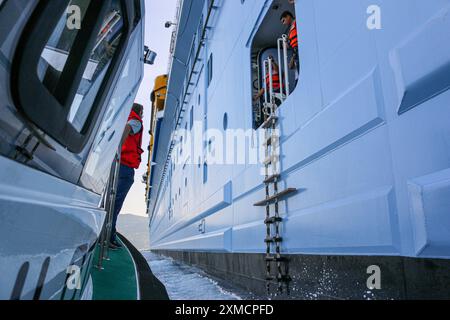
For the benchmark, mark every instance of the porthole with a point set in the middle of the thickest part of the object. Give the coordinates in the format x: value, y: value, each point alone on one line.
x: 210, y: 145
x: 225, y: 121
x: 205, y: 173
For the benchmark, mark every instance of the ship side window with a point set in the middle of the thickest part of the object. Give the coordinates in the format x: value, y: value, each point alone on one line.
x: 69, y: 60
x: 205, y: 173
x: 54, y: 57
x: 95, y: 72
x: 191, y: 119
x: 210, y: 69
x: 225, y: 121
x: 210, y: 146
x: 274, y: 60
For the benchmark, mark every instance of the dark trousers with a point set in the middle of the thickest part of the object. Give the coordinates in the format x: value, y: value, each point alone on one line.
x: 126, y: 180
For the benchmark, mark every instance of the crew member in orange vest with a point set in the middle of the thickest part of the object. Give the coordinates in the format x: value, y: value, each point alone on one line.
x: 275, y: 80
x: 130, y: 160
x: 288, y: 19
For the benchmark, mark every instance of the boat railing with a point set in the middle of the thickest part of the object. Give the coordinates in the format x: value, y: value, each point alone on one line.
x: 282, y: 51
x: 109, y: 205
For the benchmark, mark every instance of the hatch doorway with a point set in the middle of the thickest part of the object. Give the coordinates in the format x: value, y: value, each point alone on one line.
x: 274, y: 62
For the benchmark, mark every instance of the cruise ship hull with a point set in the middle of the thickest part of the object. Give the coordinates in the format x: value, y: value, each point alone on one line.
x: 327, y: 277
x: 363, y: 140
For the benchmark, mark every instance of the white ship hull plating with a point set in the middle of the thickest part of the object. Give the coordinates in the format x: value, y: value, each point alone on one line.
x: 364, y: 140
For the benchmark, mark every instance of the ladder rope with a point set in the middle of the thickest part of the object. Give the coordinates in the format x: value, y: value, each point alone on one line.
x: 272, y: 173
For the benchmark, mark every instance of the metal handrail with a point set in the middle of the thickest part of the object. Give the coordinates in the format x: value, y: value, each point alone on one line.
x: 266, y: 90
x: 110, y: 200
x: 286, y: 67
x: 283, y: 52
x: 270, y: 62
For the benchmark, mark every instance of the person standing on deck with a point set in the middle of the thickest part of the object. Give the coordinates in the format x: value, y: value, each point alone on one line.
x: 130, y: 160
x: 288, y: 19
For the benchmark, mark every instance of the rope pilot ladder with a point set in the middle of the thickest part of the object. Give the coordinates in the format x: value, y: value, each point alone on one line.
x: 272, y: 171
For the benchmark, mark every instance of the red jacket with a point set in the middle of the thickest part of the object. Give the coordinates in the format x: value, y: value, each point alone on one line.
x: 293, y: 37
x: 131, y: 149
x: 275, y: 81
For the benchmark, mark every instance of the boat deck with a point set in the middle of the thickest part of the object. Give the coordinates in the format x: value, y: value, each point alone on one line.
x: 118, y: 279
x: 125, y: 276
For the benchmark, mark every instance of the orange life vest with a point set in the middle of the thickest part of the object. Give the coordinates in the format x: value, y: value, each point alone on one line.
x: 275, y: 81
x: 293, y: 39
x: 131, y: 149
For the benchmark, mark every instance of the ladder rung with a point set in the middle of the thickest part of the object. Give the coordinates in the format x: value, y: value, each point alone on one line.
x: 273, y: 198
x: 272, y: 178
x: 284, y: 278
x: 273, y: 220
x: 275, y: 259
x: 269, y: 122
x: 267, y: 160
x: 273, y: 239
x: 270, y: 159
x: 280, y: 96
x: 269, y: 141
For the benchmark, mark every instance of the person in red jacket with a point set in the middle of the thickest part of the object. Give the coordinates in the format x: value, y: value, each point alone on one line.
x: 130, y: 160
x: 288, y: 19
x: 276, y: 86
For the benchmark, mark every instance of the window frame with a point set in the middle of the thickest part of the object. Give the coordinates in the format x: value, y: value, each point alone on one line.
x: 50, y: 112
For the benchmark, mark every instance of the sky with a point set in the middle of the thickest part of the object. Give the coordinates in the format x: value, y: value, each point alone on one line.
x: 157, y: 38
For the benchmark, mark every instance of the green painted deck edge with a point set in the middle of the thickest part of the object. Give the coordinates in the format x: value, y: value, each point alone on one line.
x: 118, y: 279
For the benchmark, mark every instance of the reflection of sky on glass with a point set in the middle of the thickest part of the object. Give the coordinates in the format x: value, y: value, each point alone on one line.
x: 157, y: 37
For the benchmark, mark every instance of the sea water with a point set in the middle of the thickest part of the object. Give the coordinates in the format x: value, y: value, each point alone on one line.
x: 185, y: 282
